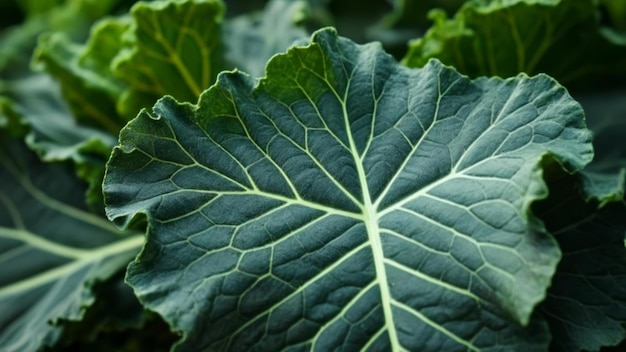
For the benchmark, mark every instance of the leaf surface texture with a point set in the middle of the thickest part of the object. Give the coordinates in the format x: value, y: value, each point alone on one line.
x: 347, y: 202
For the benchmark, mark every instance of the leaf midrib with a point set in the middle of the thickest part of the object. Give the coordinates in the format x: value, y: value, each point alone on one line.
x: 370, y: 219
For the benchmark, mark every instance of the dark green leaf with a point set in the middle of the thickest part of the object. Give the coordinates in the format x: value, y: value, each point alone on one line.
x: 347, y: 202
x: 586, y: 304
x: 116, y: 321
x: 51, y: 249
x: 561, y: 38
x: 606, y: 117
x: 35, y: 102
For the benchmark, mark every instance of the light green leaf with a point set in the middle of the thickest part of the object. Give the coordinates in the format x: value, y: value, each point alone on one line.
x: 99, y: 80
x: 586, y: 303
x: 72, y: 18
x: 51, y: 249
x: 90, y: 89
x: 505, y: 37
x: 171, y: 47
x: 407, y: 20
x: 253, y: 38
x: 347, y: 202
x: 164, y: 47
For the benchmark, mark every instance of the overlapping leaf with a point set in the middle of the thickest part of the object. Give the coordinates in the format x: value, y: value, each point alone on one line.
x: 172, y: 47
x: 347, y: 202
x: 51, y: 249
x: 586, y: 303
x: 252, y: 39
x: 606, y: 116
x: 90, y: 89
x: 70, y: 17
x: 36, y: 102
x: 129, y: 62
x: 169, y: 44
x: 564, y: 39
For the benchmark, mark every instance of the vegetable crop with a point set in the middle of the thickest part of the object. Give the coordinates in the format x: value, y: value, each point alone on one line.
x: 207, y: 175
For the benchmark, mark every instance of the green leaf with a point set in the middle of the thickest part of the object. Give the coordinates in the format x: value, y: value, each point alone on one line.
x: 171, y: 47
x: 51, y: 249
x: 407, y: 20
x: 10, y: 120
x: 616, y: 12
x: 90, y: 89
x: 347, y: 202
x: 414, y: 13
x: 91, y: 97
x: 164, y: 47
x: 100, y: 83
x: 116, y: 322
x: 606, y: 117
x: 253, y: 38
x: 561, y: 38
x: 586, y: 304
x: 50, y: 130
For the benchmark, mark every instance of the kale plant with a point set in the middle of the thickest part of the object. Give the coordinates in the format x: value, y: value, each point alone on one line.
x: 207, y: 175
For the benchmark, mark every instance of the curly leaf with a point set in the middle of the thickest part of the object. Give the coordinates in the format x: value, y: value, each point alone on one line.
x: 171, y: 47
x: 164, y: 47
x: 347, y: 202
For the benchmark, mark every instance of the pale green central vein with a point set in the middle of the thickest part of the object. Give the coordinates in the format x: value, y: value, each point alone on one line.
x: 370, y: 219
x: 373, y: 233
x: 119, y: 247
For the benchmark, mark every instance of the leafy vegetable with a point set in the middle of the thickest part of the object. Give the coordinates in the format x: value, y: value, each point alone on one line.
x: 339, y: 187
x: 171, y: 48
x: 165, y: 47
x: 254, y: 38
x: 332, y: 199
x: 54, y: 135
x: 56, y: 251
x: 585, y: 306
x: 533, y: 36
x: 83, y: 73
